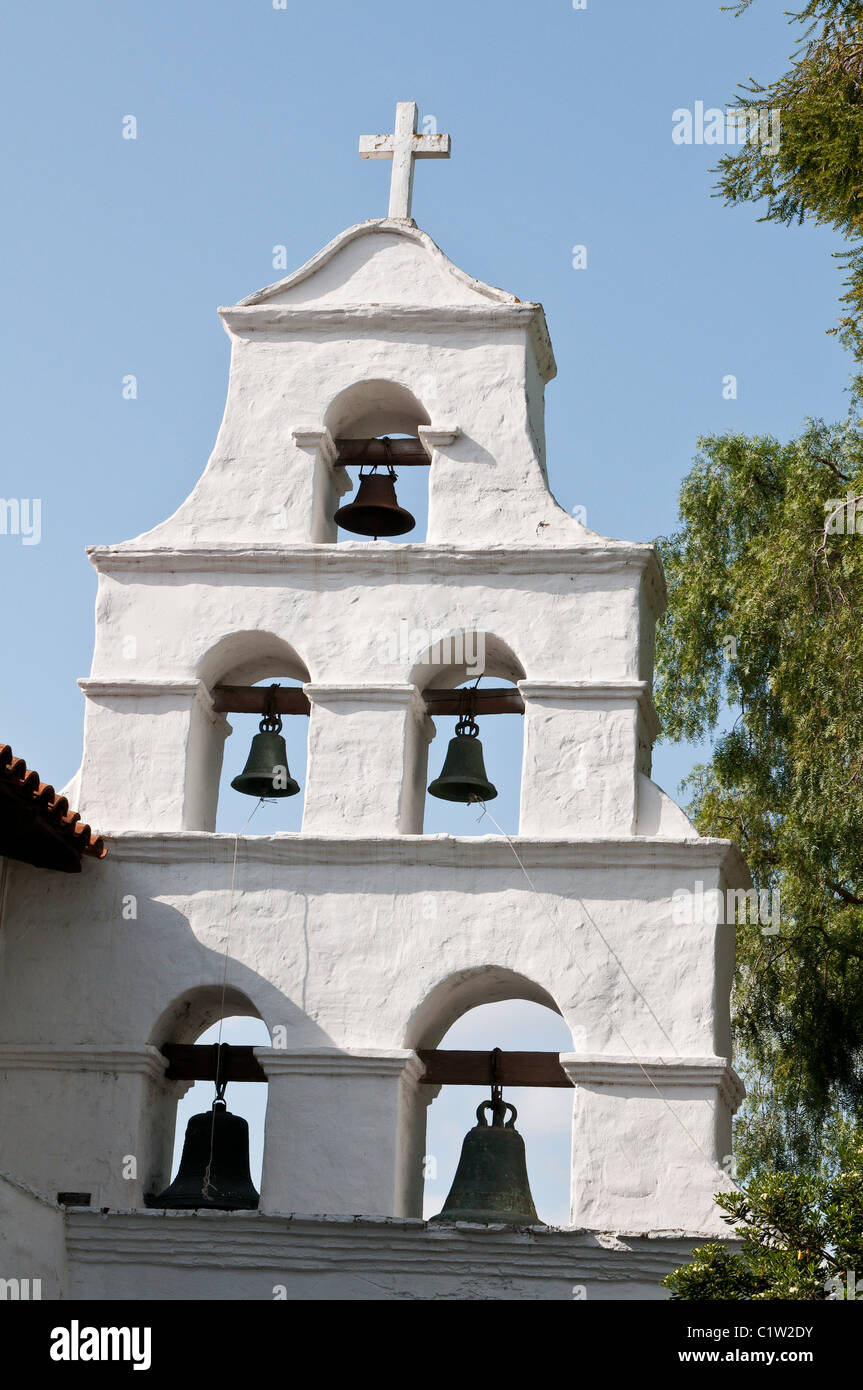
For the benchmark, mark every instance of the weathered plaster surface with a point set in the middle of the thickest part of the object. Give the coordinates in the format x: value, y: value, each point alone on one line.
x: 248, y: 1257
x: 360, y: 939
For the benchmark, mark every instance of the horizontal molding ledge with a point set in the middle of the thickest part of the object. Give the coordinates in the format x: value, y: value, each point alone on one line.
x: 332, y: 1061
x: 597, y: 1069
x: 256, y: 318
x: 147, y: 1061
x: 397, y: 695
x: 572, y: 692
x: 312, y: 562
x: 397, y: 1248
x: 583, y: 1070
x: 145, y: 689
x: 394, y: 696
x: 437, y: 851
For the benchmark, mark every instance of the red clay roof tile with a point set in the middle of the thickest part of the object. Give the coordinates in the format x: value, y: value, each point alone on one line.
x: 36, y: 825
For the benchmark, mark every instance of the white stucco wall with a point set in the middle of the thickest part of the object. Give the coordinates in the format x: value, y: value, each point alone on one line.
x: 330, y: 939
x: 32, y: 1244
x: 329, y: 936
x: 178, y: 1256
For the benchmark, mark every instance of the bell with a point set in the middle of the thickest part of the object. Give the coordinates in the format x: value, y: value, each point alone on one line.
x: 266, y: 772
x: 375, y: 510
x: 214, y: 1170
x: 491, y: 1186
x: 464, y: 776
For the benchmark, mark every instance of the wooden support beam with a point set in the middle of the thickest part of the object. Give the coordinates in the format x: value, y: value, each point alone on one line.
x: 253, y: 699
x: 403, y: 453
x: 197, y: 1062
x: 474, y: 1069
x: 504, y: 701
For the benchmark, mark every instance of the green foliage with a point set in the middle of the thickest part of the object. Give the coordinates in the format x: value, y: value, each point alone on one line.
x: 779, y: 1132
x: 830, y: 10
x: 766, y: 597
x: 801, y: 1235
x: 765, y: 605
x: 816, y: 171
x: 715, y: 1273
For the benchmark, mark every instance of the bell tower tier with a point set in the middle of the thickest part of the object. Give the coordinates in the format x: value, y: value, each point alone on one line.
x: 359, y: 940
x: 359, y: 616
x: 378, y: 334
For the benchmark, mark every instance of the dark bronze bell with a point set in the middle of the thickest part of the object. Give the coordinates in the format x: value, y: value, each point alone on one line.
x: 375, y: 510
x: 266, y: 773
x: 464, y: 777
x: 214, y: 1170
x: 491, y: 1185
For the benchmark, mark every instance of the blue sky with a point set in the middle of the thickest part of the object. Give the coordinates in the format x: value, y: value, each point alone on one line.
x: 116, y: 253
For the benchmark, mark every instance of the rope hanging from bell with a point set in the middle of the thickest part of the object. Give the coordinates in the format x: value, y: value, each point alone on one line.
x: 214, y: 1170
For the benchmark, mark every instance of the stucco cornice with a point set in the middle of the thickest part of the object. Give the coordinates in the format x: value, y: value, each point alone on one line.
x: 155, y: 687
x: 146, y: 1061
x: 429, y: 318
x: 301, y: 1243
x: 247, y: 320
x: 326, y: 1061
x: 389, y: 561
x: 435, y: 851
x: 655, y: 1073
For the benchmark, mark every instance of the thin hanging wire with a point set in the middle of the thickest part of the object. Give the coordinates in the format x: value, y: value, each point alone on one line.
x: 206, y: 1185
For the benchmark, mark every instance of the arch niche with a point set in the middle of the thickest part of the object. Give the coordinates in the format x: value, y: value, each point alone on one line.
x: 184, y: 1020
x: 451, y: 999
x: 377, y: 409
x: 449, y: 661
x: 239, y: 658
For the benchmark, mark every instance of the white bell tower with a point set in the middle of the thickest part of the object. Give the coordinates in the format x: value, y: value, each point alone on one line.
x: 322, y: 933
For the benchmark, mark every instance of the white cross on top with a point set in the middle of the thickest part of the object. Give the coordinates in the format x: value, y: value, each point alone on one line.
x: 403, y: 147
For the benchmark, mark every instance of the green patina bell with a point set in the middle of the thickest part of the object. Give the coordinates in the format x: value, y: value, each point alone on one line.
x: 464, y: 777
x: 491, y: 1185
x: 266, y: 773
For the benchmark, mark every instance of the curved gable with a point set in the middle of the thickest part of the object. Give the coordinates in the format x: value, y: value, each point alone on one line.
x: 380, y: 262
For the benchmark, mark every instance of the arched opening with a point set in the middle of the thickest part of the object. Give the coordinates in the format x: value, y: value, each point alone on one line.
x: 248, y: 1099
x: 194, y: 1017
x: 544, y: 1115
x: 378, y: 422
x: 187, y: 1017
x: 240, y: 811
x: 478, y: 1011
x: 465, y: 660
x: 238, y: 673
